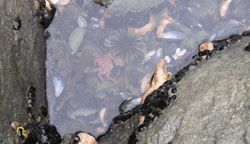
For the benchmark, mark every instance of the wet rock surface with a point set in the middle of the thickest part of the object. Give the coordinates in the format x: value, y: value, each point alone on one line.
x: 212, y: 105
x: 22, y: 58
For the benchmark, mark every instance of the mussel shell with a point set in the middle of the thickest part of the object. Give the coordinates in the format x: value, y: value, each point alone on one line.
x: 76, y: 38
x: 128, y: 105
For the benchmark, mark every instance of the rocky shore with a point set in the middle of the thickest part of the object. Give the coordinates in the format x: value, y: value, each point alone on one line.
x: 212, y: 99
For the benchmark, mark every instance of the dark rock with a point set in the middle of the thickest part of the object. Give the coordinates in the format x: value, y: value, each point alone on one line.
x: 17, y: 23
x: 246, y: 33
x: 247, y: 48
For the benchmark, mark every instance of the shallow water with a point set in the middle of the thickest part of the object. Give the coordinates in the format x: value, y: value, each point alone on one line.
x: 97, y: 58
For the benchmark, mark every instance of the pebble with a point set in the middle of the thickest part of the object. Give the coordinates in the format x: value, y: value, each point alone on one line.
x: 247, y: 48
x: 17, y: 23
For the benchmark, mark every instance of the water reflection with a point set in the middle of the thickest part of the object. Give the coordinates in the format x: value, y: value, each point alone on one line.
x: 99, y: 57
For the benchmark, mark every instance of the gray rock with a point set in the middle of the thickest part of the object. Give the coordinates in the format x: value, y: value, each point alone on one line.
x: 22, y: 63
x: 212, y: 106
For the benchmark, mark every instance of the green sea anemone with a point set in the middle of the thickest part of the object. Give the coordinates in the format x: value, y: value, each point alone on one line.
x: 125, y: 44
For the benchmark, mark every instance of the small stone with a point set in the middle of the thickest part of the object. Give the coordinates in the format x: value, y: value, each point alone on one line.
x: 172, y: 99
x: 17, y: 23
x: 174, y: 90
x: 247, y: 48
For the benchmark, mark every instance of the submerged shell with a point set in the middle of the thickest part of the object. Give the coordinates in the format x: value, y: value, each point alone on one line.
x: 82, y: 22
x: 128, y: 105
x: 58, y: 85
x: 121, y: 7
x: 179, y: 53
x: 75, y: 39
x: 148, y: 56
x: 175, y: 35
x: 85, y: 112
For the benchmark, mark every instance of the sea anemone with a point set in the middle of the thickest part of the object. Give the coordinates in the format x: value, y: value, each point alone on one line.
x: 125, y: 44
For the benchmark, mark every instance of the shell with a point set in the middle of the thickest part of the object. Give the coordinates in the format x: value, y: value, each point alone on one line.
x: 159, y: 77
x: 179, y: 53
x: 86, y: 138
x: 128, y: 105
x: 102, y: 115
x: 85, y: 112
x: 148, y: 56
x: 224, y: 7
x: 206, y: 46
x: 173, y: 35
x: 82, y: 22
x: 58, y: 85
x: 76, y: 38
x: 167, y: 59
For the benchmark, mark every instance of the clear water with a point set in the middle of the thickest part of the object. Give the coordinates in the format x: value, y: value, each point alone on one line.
x: 92, y: 67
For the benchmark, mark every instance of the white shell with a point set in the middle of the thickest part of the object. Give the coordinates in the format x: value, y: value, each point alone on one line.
x: 150, y: 53
x: 179, y: 53
x: 82, y: 22
x: 58, y: 85
x: 159, y: 52
x: 82, y: 112
x: 148, y: 56
x: 167, y: 59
